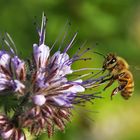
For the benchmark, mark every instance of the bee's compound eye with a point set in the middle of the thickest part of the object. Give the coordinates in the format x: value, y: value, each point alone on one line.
x: 113, y: 61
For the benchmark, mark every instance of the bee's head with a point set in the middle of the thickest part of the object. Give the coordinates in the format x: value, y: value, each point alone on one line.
x: 110, y: 61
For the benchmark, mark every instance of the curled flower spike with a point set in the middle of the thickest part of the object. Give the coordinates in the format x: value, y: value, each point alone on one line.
x: 44, y: 94
x: 9, y: 131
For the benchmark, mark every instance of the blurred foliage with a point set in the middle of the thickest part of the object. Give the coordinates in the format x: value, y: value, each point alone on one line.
x: 115, y: 25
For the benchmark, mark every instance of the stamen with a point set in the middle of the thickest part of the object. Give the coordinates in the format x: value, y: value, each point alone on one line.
x: 83, y: 45
x: 85, y: 59
x: 73, y: 75
x: 43, y: 28
x: 63, y: 29
x: 93, y: 81
x: 90, y: 82
x: 94, y: 86
x: 69, y: 62
x: 77, y: 57
x: 82, y: 76
x: 68, y: 47
x: 95, y: 74
x: 12, y: 42
x: 84, y: 52
x: 83, y: 69
x: 8, y: 45
x: 65, y: 34
x: 85, y: 97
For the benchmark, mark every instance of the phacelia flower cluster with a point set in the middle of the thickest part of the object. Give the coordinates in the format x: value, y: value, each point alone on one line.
x: 43, y: 93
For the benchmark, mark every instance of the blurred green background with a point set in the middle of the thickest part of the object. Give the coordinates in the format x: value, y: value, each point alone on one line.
x: 115, y: 25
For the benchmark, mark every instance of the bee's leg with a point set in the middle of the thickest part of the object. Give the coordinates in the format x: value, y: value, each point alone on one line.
x: 109, y: 84
x: 117, y: 89
x: 114, y: 92
x: 107, y: 79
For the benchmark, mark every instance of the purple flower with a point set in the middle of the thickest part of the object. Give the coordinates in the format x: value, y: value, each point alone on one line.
x: 12, y: 70
x: 42, y: 88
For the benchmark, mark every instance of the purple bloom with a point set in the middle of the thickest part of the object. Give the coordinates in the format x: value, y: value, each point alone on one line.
x: 45, y: 93
x: 12, y: 70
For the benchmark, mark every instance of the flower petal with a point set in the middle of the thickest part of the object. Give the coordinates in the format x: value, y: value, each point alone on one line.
x: 4, y: 62
x: 41, y: 54
x: 63, y: 99
x: 59, y: 61
x: 73, y: 89
x: 19, y: 68
x: 17, y: 86
x: 7, y: 134
x: 39, y: 100
x: 4, y: 82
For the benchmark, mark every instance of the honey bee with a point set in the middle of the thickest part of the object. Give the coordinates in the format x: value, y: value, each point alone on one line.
x: 118, y: 70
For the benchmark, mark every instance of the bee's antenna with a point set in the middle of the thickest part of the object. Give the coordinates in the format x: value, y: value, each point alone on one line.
x: 100, y: 54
